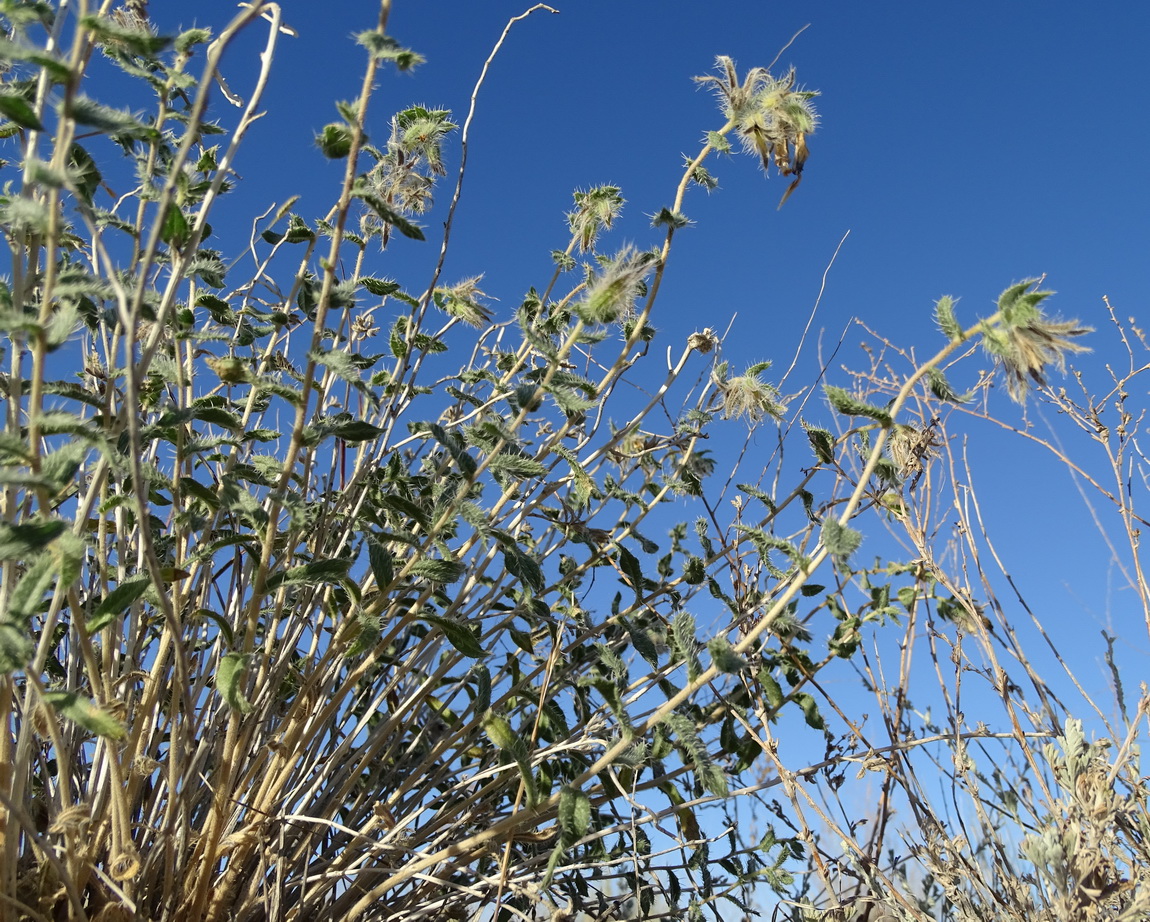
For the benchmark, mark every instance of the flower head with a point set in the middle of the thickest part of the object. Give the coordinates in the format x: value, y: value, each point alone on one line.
x: 1024, y: 341
x: 770, y: 116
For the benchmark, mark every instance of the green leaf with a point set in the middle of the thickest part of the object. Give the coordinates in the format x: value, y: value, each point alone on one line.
x: 334, y: 141
x: 229, y: 681
x: 772, y: 691
x: 86, y: 713
x: 516, y: 465
x: 16, y: 647
x: 1019, y: 306
x: 683, y: 632
x: 632, y: 572
x: 499, y: 732
x: 941, y: 388
x: 116, y: 122
x: 574, y: 814
x: 762, y: 497
x: 643, y: 642
x: 355, y: 430
x: 185, y: 41
x: 460, y: 636
x: 822, y: 442
x: 668, y: 218
x: 383, y: 47
x: 318, y: 571
x: 117, y: 602
x: 696, y: 755
x: 719, y: 142
x: 482, y: 688
x: 846, y: 638
x: 842, y: 401
x: 65, y: 320
x: 137, y: 41
x: 29, y: 592
x: 16, y: 109
x: 18, y: 542
x: 20, y: 213
x: 724, y: 657
x: 175, y: 230
x: 840, y: 540
x: 945, y: 317
x: 524, y: 568
x: 810, y: 709
x: 381, y: 287
x: 381, y: 562
x: 85, y: 174
x: 765, y: 542
x: 435, y: 570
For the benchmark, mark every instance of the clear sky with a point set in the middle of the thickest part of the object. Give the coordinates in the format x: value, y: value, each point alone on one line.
x: 963, y: 146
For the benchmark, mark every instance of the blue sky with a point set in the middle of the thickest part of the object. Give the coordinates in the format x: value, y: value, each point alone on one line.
x: 964, y: 147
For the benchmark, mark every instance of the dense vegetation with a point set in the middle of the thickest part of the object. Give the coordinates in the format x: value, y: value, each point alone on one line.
x: 330, y: 592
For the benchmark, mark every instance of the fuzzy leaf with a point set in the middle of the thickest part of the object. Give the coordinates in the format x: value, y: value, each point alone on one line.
x: 116, y: 122
x: 20, y: 541
x: 334, y: 141
x: 16, y: 109
x: 840, y: 540
x: 117, y: 602
x: 499, y: 732
x: 16, y: 647
x: 762, y: 497
x: 381, y: 287
x: 86, y: 713
x: 317, y: 571
x: 822, y: 442
x: 810, y: 709
x: 381, y: 562
x: 435, y: 570
x: 632, y: 572
x: 460, y: 636
x: 842, y: 401
x: 355, y: 430
x: 516, y: 465
x: 668, y: 218
x: 643, y: 643
x: 696, y: 755
x: 574, y: 814
x: 524, y: 568
x: 941, y: 388
x: 383, y: 47
x: 945, y: 317
x: 229, y: 681
x: 137, y: 41
x: 29, y: 592
x: 772, y: 691
x: 1019, y: 305
x: 482, y: 688
x: 724, y: 657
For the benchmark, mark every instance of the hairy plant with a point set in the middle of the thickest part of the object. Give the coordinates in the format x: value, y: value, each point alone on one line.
x: 327, y: 594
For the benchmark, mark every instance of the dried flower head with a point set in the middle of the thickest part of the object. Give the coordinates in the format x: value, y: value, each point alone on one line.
x: 770, y: 116
x: 912, y: 447
x: 462, y: 300
x: 747, y: 395
x: 704, y: 341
